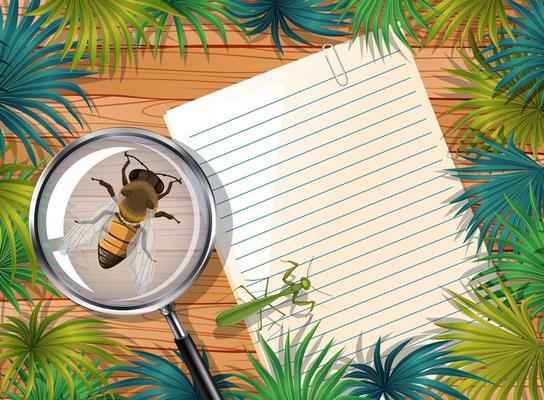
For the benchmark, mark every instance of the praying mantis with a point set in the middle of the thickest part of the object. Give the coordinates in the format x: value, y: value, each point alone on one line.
x: 240, y: 312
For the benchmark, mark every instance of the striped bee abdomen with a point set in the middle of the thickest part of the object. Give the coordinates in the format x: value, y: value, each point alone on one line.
x: 113, y: 244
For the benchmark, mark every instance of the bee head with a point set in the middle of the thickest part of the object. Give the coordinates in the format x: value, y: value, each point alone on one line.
x: 147, y: 176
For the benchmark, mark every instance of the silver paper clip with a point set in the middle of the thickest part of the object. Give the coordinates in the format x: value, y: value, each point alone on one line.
x: 328, y: 46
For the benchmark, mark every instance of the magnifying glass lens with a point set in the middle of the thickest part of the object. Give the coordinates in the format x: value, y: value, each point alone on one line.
x: 123, y: 224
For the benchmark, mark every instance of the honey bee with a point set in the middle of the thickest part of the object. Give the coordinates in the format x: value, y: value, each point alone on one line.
x: 123, y: 226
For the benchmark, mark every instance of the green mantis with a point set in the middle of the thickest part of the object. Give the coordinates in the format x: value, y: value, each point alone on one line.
x: 240, y: 312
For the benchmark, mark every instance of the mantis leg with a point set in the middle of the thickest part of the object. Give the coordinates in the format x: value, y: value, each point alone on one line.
x: 303, y: 303
x: 288, y: 273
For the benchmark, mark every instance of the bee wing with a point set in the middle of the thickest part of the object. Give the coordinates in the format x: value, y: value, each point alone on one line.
x: 86, y: 232
x: 142, y: 255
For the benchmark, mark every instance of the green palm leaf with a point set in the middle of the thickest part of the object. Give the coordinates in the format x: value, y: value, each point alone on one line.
x: 491, y: 114
x: 39, y: 345
x: 95, y: 390
x: 381, y: 16
x: 13, y: 284
x: 485, y: 18
x: 289, y: 380
x: 501, y: 335
x: 15, y: 194
x: 158, y: 378
x: 504, y: 175
x: 521, y: 57
x: 31, y: 78
x: 312, y: 16
x: 523, y: 269
x: 99, y: 23
x: 412, y: 377
x: 191, y: 12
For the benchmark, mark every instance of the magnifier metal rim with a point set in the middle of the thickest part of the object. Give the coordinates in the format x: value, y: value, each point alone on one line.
x: 173, y: 293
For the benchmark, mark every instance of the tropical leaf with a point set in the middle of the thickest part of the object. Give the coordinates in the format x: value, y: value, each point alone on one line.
x: 36, y: 346
x: 104, y: 23
x: 158, y: 378
x: 413, y: 377
x: 309, y: 15
x: 491, y: 114
x: 289, y: 380
x: 13, y: 284
x: 504, y: 175
x: 521, y: 57
x: 190, y: 12
x: 485, y: 18
x: 95, y: 390
x: 15, y: 195
x: 381, y: 16
x: 31, y: 77
x: 522, y: 269
x: 501, y: 335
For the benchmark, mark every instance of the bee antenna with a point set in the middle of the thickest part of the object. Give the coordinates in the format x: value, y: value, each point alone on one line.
x: 137, y: 159
x: 170, y: 176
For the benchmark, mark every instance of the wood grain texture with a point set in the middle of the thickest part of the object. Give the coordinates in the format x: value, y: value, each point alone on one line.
x: 139, y: 96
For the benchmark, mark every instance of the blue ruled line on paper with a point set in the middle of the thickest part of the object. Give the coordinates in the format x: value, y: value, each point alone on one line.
x: 328, y: 174
x: 291, y: 95
x: 311, y: 102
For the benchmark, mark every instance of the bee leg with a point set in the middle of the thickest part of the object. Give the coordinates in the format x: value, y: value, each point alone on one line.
x: 109, y: 187
x: 164, y: 214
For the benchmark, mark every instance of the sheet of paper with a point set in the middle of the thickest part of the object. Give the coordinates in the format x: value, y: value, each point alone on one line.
x: 352, y: 177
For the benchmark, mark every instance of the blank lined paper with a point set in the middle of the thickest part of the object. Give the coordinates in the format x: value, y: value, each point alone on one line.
x: 350, y: 179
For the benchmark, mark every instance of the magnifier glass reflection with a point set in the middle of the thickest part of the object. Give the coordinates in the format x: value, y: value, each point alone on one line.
x: 123, y: 222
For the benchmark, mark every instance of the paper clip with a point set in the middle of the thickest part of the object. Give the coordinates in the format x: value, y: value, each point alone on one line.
x: 328, y: 46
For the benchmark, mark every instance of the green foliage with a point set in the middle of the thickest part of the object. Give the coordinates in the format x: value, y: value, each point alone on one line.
x: 104, y: 23
x: 95, y: 390
x: 521, y: 57
x: 491, y: 114
x: 501, y: 335
x: 413, y: 377
x: 38, y: 346
x: 485, y: 17
x: 289, y: 380
x: 522, y: 269
x: 15, y: 195
x: 13, y: 283
x: 159, y: 378
x: 191, y: 11
x: 31, y: 76
x: 309, y: 15
x: 382, y: 15
x: 505, y: 175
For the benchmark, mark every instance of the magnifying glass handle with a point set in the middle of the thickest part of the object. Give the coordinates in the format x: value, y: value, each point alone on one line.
x: 200, y: 373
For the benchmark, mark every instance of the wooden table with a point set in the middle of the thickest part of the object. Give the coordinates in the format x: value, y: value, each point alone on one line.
x: 139, y: 96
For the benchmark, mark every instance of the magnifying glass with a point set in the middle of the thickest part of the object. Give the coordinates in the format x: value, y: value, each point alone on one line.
x: 123, y: 222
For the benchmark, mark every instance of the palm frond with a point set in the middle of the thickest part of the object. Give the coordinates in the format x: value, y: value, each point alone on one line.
x: 95, y: 390
x: 501, y: 335
x: 14, y: 283
x: 15, y: 195
x: 288, y: 378
x: 31, y: 77
x: 158, y: 377
x: 484, y: 18
x: 39, y: 345
x: 191, y: 12
x: 521, y: 57
x: 381, y: 16
x: 413, y: 377
x: 283, y: 15
x: 504, y: 175
x: 491, y: 114
x: 522, y: 269
x: 99, y: 23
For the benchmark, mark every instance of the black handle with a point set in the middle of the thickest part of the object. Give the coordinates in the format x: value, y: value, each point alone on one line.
x: 201, y: 376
